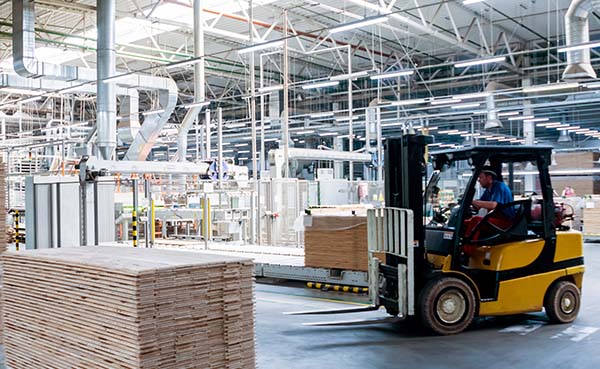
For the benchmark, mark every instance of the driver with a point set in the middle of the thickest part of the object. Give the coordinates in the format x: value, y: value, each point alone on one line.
x: 496, y: 193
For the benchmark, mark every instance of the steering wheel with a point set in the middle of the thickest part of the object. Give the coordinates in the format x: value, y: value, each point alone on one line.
x: 500, y: 232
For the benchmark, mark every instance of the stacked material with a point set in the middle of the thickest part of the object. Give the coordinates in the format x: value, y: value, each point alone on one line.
x: 338, y: 242
x: 117, y: 307
x: 582, y: 185
x: 341, y: 210
x: 591, y: 215
x: 3, y: 235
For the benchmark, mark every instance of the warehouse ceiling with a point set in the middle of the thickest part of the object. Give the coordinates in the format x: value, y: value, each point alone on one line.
x: 426, y: 37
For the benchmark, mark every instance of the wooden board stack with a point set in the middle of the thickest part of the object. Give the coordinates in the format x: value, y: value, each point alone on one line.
x: 591, y: 215
x: 338, y: 242
x: 117, y: 307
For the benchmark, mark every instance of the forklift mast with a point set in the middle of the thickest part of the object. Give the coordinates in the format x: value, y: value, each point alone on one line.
x: 405, y: 169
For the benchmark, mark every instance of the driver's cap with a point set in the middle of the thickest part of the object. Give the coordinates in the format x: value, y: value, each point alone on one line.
x: 488, y: 170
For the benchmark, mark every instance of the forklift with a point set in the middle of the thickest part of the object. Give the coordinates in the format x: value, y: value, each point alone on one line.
x: 425, y: 265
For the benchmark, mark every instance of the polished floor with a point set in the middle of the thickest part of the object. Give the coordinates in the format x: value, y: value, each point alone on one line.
x: 526, y: 341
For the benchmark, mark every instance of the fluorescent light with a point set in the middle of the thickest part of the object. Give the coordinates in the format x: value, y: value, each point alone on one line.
x: 579, y: 47
x: 573, y: 128
x: 355, y: 75
x: 196, y: 104
x: 465, y: 106
x: 305, y: 132
x: 457, y: 133
x: 522, y: 117
x: 358, y: 24
x: 592, y: 85
x: 328, y: 134
x: 476, y: 95
x: 400, y: 73
x: 534, y: 120
x: 550, y: 87
x: 150, y: 112
x: 449, y: 131
x: 564, y: 127
x: 409, y: 102
x: 346, y: 118
x: 183, y: 63
x: 549, y: 124
x: 322, y: 115
x: 445, y: 101
x: 235, y: 125
x: 240, y: 145
x: 270, y: 88
x: 263, y: 46
x: 392, y: 124
x: 271, y: 139
x: 428, y: 128
x: 581, y: 131
x: 508, y: 113
x: 117, y: 77
x: 471, y: 63
x: 558, y: 127
x: 243, y: 152
x: 320, y: 84
x: 227, y: 151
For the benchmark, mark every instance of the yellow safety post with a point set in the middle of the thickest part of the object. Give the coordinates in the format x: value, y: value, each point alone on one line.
x: 134, y: 227
x: 17, y: 230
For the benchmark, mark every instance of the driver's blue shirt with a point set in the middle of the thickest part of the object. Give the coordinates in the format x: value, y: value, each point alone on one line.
x: 501, y: 194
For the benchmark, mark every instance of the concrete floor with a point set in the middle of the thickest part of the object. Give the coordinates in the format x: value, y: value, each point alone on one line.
x: 517, y: 342
x: 526, y: 341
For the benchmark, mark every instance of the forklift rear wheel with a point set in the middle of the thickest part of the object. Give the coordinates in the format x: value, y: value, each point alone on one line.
x: 562, y: 302
x: 447, y: 306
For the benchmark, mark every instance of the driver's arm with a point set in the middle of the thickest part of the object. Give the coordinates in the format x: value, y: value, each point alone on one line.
x: 488, y: 205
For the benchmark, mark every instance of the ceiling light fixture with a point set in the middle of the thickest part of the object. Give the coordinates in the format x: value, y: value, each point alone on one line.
x: 400, y: 73
x: 320, y: 85
x: 263, y: 46
x: 472, y: 63
x: 551, y: 87
x: 445, y: 101
x: 508, y: 113
x: 522, y: 117
x: 465, y: 106
x: 359, y: 24
x: 322, y: 115
x: 579, y: 47
x: 270, y: 88
x: 355, y: 75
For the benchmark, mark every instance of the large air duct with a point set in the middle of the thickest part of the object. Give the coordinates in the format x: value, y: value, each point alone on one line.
x: 106, y: 117
x: 199, y: 90
x: 129, y: 123
x: 492, y: 114
x: 26, y: 65
x: 577, y: 26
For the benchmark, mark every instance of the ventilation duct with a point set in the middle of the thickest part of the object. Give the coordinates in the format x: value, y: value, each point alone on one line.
x: 492, y: 114
x: 129, y: 123
x: 577, y: 26
x: 27, y: 66
x: 564, y: 136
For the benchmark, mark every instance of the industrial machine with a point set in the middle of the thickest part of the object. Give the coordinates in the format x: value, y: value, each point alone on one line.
x: 426, y: 264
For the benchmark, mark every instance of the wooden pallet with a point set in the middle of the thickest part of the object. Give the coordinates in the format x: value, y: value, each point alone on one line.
x: 117, y: 307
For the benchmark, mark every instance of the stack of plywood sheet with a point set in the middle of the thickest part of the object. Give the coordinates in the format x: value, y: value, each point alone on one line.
x: 338, y: 242
x: 583, y: 185
x: 3, y: 235
x: 117, y: 307
x: 591, y: 215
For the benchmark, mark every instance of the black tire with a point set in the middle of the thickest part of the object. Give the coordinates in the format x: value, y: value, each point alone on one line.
x: 562, y: 302
x: 446, y: 306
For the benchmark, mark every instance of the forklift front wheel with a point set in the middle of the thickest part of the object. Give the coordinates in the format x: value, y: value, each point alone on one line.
x: 447, y: 305
x: 562, y: 302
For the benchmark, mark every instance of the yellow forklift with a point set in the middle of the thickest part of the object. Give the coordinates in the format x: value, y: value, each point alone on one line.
x: 419, y: 264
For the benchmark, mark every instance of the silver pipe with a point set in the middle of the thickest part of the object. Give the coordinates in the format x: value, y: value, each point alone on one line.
x: 577, y: 29
x: 24, y: 61
x: 199, y: 88
x: 286, y: 90
x: 106, y: 117
x: 220, y: 147
x: 207, y: 133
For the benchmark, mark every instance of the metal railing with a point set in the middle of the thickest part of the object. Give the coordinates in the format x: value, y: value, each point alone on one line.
x: 391, y: 231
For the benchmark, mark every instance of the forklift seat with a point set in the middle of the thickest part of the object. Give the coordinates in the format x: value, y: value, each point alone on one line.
x: 504, y: 230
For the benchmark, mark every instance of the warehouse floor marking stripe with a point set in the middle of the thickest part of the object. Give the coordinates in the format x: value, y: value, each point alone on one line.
x: 522, y: 329
x: 576, y: 333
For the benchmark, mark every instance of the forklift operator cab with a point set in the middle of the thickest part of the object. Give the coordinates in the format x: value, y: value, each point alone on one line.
x: 521, y: 266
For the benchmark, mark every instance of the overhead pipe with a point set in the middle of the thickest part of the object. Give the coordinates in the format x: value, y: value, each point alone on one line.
x: 23, y: 38
x: 106, y: 116
x: 129, y: 123
x: 492, y: 114
x: 577, y: 27
x: 199, y: 89
x: 26, y: 65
